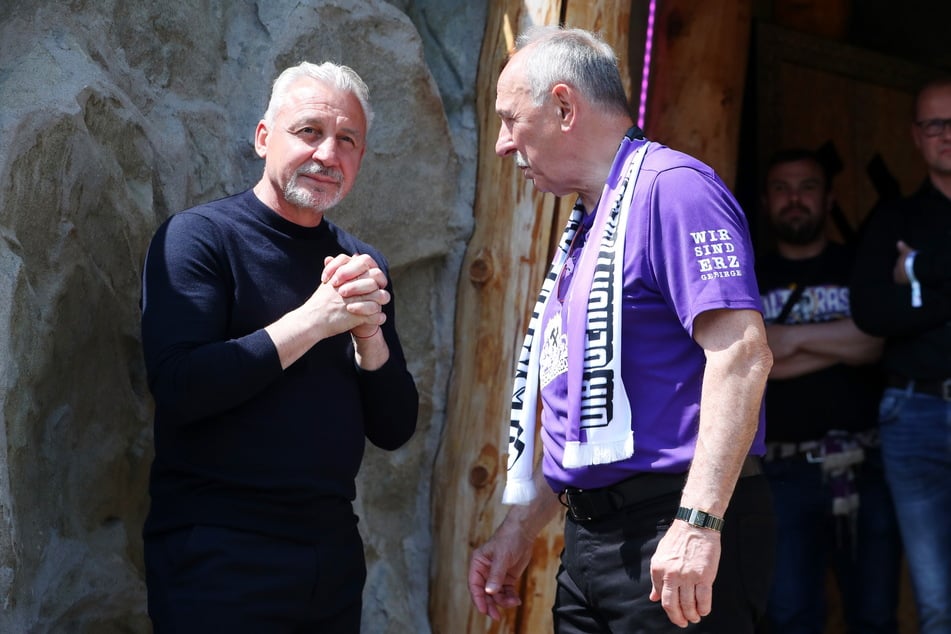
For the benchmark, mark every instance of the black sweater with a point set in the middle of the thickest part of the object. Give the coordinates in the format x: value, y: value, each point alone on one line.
x: 918, y: 343
x: 240, y: 442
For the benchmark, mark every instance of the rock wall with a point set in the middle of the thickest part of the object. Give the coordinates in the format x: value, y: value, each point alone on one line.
x: 115, y: 114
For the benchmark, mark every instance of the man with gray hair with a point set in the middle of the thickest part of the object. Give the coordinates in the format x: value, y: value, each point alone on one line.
x: 647, y: 355
x: 272, y: 355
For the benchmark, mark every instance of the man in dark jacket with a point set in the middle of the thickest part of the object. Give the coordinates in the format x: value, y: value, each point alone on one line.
x: 902, y: 291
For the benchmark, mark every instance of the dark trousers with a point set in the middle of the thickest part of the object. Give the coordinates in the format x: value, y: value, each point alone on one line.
x: 604, y: 579
x: 864, y: 552
x: 211, y: 579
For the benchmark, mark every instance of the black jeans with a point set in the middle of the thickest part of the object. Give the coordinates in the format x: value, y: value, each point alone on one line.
x: 604, y: 578
x: 208, y: 579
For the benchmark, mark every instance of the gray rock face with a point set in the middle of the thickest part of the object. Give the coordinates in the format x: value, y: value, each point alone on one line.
x: 115, y: 114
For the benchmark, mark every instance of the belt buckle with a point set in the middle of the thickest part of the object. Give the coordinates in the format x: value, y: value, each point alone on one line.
x: 946, y: 390
x: 573, y: 502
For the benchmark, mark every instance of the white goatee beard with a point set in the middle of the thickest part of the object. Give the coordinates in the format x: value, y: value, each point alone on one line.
x: 318, y: 201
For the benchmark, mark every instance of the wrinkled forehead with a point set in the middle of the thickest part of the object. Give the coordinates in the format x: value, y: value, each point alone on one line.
x: 513, y: 86
x: 308, y: 95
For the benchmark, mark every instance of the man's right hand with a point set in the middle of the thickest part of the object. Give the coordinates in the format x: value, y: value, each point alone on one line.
x: 496, y: 565
x: 898, y: 271
x: 494, y: 570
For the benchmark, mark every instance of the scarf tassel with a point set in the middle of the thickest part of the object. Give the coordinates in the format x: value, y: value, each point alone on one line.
x: 519, y: 492
x: 578, y: 454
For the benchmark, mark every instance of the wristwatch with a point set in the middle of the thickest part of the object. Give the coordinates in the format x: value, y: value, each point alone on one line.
x: 700, y: 519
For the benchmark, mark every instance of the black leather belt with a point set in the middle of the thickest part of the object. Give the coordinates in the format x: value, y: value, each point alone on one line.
x: 932, y: 387
x: 585, y: 505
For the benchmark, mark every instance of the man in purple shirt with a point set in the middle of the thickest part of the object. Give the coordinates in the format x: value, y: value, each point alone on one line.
x: 649, y: 355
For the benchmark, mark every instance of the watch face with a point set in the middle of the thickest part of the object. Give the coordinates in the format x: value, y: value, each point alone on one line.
x: 699, y: 519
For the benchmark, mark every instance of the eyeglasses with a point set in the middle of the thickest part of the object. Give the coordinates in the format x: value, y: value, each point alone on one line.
x: 933, y: 127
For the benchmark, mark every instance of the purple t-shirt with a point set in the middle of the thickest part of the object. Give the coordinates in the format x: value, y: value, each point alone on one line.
x: 687, y: 251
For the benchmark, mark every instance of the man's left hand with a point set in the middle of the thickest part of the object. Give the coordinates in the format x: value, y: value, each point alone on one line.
x: 683, y: 570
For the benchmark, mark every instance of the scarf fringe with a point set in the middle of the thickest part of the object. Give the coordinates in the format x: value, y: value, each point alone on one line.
x: 578, y: 454
x: 519, y: 492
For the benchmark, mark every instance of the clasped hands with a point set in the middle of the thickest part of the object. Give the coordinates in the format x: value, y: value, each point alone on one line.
x: 352, y: 292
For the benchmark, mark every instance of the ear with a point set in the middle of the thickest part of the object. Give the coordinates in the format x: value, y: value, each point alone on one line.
x: 260, y: 139
x: 565, y: 100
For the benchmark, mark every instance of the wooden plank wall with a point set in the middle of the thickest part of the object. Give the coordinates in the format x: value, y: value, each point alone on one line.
x: 507, y: 259
x: 697, y: 82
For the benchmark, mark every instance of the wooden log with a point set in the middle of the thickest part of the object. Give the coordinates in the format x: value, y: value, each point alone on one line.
x: 502, y: 272
x: 506, y: 261
x: 698, y: 77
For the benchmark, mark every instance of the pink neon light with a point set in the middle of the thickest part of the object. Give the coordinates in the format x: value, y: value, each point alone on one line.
x: 646, y: 70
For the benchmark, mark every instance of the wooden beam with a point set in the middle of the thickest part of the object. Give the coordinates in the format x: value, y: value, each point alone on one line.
x: 698, y: 77
x: 502, y: 271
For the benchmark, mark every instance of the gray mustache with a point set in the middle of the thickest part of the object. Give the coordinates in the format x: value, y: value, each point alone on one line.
x: 320, y: 170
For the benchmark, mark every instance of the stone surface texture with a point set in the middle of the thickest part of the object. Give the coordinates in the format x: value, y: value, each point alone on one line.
x: 115, y: 114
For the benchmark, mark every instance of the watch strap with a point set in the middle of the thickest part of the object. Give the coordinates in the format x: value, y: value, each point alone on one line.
x: 700, y: 519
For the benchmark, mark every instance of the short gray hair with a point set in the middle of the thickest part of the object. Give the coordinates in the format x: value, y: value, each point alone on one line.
x: 576, y: 57
x: 339, y: 76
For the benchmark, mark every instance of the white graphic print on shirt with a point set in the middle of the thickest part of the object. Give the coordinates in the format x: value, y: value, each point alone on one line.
x: 553, y: 359
x: 818, y: 304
